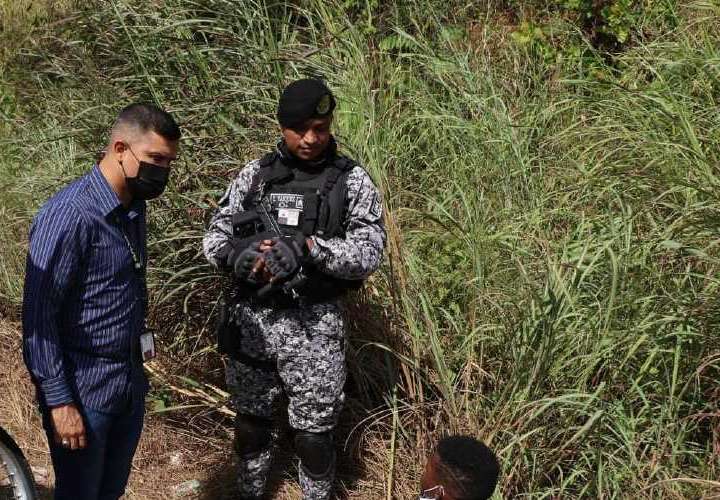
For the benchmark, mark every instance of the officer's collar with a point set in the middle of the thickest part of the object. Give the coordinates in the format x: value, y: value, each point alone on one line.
x: 277, y: 171
x: 291, y: 161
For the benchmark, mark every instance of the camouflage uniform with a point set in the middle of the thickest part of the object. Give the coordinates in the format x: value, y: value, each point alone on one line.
x: 305, y: 343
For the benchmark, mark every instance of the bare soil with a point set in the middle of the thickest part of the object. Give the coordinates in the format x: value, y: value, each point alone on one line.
x: 194, y: 445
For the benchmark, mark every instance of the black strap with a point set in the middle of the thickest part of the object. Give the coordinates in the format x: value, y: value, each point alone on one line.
x: 268, y: 159
x: 273, y: 169
x: 341, y: 166
x: 311, y: 203
x: 253, y: 194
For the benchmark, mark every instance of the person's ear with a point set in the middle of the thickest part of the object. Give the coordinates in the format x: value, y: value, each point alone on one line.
x: 119, y: 147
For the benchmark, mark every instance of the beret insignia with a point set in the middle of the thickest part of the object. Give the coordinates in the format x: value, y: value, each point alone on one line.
x: 323, y: 105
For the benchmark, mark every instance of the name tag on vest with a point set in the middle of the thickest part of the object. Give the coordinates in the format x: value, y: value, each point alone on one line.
x: 286, y: 200
x: 288, y: 207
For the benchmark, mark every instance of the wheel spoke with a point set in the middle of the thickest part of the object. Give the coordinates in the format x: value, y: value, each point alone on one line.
x: 16, y: 482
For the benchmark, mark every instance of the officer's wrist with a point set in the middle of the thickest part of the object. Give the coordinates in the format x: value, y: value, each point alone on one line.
x: 300, y: 243
x: 315, y: 249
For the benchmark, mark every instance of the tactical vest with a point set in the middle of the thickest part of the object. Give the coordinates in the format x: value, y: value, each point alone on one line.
x: 312, y: 202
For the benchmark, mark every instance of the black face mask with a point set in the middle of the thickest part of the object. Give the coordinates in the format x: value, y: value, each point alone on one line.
x: 150, y: 181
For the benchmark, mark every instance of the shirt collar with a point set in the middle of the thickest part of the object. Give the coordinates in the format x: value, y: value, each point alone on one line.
x: 107, y: 199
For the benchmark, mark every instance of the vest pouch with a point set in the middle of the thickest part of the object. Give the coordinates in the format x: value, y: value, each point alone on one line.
x: 247, y: 224
x: 249, y: 227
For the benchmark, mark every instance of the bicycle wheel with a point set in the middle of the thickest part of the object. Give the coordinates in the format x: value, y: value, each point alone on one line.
x: 16, y: 480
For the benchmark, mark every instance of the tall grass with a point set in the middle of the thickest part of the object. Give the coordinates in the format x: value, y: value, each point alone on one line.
x: 550, y: 284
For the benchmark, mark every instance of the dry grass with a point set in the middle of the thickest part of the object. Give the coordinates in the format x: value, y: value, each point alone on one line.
x: 18, y: 414
x: 195, y: 445
x: 168, y: 453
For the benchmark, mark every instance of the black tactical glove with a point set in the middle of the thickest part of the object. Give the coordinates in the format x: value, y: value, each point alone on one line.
x: 243, y: 261
x: 285, y: 257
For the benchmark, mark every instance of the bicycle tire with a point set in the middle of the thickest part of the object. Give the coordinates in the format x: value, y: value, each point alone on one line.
x: 16, y: 478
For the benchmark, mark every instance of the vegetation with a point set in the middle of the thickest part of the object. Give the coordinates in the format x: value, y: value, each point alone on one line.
x: 550, y: 172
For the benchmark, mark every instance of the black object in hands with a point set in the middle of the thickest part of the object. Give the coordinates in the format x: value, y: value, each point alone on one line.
x: 284, y: 258
x: 243, y: 261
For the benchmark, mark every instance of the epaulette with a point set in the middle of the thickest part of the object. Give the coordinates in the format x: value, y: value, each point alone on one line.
x: 268, y: 159
x: 343, y: 163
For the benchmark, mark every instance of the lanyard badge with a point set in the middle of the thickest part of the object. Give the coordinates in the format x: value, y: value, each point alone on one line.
x: 147, y: 346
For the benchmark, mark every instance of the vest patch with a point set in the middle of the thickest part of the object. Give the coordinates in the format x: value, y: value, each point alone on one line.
x: 376, y: 207
x: 288, y: 216
x: 286, y: 200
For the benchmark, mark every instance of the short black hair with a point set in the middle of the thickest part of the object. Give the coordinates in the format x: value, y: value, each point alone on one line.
x: 469, y: 467
x: 148, y: 117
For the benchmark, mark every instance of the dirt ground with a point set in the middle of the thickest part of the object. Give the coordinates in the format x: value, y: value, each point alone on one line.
x: 182, y: 450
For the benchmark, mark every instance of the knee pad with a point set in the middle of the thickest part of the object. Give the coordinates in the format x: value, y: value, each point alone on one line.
x: 316, y: 452
x: 252, y: 434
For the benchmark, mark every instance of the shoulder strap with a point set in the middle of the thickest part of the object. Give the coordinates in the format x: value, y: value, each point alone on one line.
x: 271, y: 169
x: 267, y: 159
x: 341, y: 166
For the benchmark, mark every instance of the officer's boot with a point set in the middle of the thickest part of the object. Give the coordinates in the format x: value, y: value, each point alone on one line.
x: 253, y: 445
x: 316, y: 488
x: 253, y: 472
x: 317, y: 464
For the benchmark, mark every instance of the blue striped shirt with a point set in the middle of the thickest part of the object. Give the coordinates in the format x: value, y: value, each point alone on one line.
x: 84, y: 302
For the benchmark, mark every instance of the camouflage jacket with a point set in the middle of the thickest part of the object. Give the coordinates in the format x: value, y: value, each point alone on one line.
x: 354, y: 256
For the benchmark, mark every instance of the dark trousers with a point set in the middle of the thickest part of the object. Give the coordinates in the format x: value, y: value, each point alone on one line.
x: 101, y: 470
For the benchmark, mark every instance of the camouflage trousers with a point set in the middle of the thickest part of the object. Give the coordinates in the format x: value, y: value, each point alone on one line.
x: 302, y: 354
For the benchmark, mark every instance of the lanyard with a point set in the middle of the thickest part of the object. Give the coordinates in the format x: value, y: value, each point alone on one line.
x: 136, y: 258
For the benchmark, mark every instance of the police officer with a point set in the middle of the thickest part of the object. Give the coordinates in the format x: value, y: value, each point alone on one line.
x: 297, y: 229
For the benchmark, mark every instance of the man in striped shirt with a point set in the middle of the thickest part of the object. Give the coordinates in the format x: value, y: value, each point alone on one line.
x: 85, y: 302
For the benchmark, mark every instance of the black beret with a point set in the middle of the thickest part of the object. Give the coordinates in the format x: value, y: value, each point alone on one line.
x: 304, y: 99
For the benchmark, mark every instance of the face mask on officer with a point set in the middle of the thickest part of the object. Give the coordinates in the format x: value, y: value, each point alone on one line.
x: 149, y: 182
